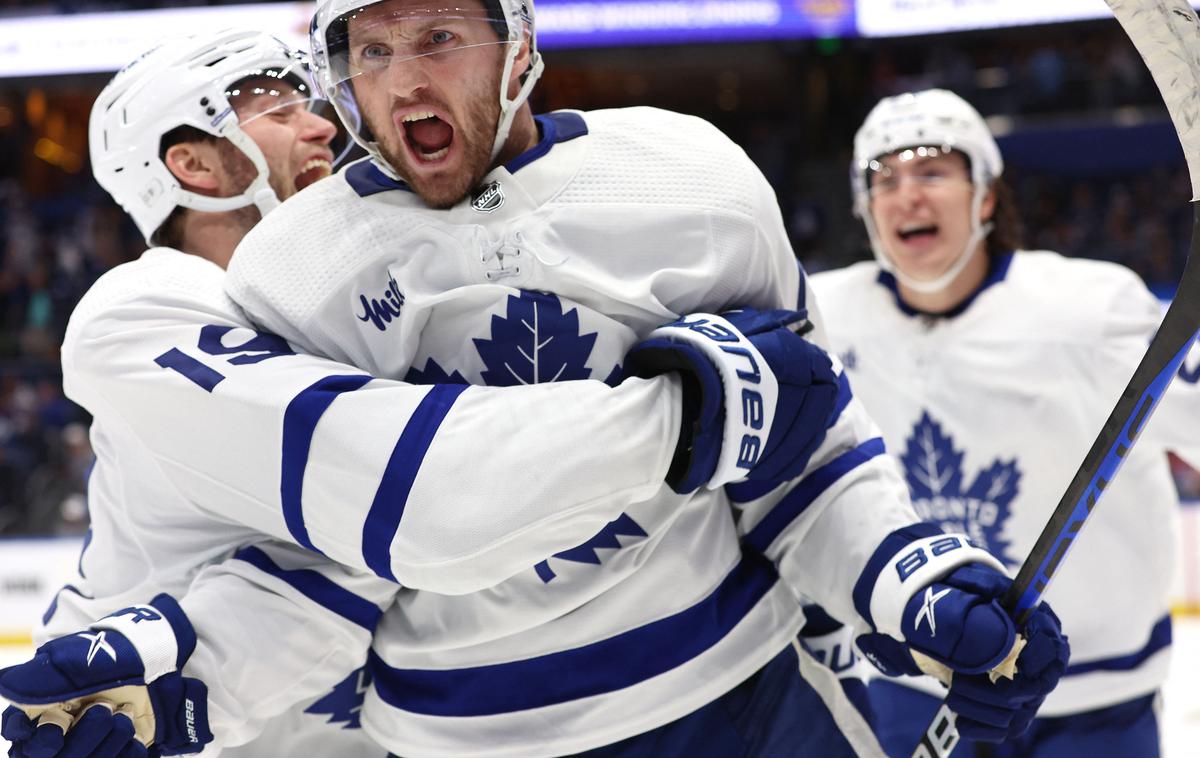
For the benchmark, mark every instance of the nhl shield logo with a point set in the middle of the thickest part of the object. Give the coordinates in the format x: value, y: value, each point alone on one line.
x: 488, y: 198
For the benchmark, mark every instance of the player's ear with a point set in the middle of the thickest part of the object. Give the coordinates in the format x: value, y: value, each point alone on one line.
x: 195, y: 165
x: 987, y: 208
x: 520, y: 66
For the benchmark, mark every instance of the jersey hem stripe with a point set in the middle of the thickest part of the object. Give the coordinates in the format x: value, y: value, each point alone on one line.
x: 595, y: 669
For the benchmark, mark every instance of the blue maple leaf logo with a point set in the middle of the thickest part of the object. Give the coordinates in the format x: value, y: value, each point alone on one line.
x: 614, y: 377
x: 934, y: 470
x: 433, y: 374
x: 534, y: 343
x: 344, y: 703
x: 622, y: 526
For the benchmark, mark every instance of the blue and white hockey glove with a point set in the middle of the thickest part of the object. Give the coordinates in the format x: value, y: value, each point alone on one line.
x: 957, y: 630
x: 758, y: 398
x: 129, y: 663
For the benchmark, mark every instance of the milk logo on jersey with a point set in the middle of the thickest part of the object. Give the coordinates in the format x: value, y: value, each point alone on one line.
x: 934, y: 470
x: 488, y: 198
x: 535, y: 341
x: 382, y: 307
x: 344, y: 703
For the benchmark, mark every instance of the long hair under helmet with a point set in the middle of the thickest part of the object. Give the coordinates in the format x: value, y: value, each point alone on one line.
x: 329, y: 39
x: 186, y: 81
x: 929, y: 118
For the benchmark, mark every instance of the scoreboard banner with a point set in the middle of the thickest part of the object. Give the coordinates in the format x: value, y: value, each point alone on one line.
x: 894, y: 18
x: 104, y: 42
x: 593, y: 23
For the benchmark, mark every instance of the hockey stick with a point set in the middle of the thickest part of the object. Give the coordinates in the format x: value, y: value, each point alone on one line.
x: 1167, y: 34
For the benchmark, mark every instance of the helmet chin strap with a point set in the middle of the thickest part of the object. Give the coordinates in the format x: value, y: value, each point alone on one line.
x: 258, y: 194
x: 979, y: 232
x: 509, y: 108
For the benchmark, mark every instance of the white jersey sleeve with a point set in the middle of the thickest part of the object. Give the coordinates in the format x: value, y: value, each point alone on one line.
x: 437, y: 487
x: 277, y: 626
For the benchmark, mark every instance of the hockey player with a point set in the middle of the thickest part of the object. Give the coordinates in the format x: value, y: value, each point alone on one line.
x: 990, y: 369
x: 546, y: 252
x: 210, y: 435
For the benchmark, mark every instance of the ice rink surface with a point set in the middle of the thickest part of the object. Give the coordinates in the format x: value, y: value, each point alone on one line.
x: 1181, y: 722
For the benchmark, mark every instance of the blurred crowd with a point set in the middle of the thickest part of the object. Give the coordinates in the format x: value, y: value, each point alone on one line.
x: 1127, y: 205
x: 53, y: 249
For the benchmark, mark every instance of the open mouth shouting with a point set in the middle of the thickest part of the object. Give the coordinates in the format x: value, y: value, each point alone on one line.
x: 917, y: 234
x: 428, y: 137
x: 313, y: 170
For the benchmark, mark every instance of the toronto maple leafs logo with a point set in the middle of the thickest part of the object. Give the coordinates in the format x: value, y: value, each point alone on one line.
x: 344, y: 704
x: 934, y: 470
x: 535, y: 341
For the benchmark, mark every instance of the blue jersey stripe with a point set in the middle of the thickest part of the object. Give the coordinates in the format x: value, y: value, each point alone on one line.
x: 595, y: 669
x: 388, y: 508
x: 562, y: 126
x: 299, y: 422
x: 1160, y: 638
x: 807, y: 490
x: 49, y: 614
x: 318, y: 588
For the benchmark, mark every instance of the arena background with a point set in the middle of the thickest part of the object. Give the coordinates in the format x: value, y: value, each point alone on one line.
x: 1096, y: 166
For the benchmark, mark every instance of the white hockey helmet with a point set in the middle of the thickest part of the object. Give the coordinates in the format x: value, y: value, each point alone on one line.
x: 930, y: 118
x: 186, y: 82
x: 329, y: 41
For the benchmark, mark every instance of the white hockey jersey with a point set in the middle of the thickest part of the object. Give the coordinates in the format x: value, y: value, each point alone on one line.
x: 990, y: 412
x: 616, y: 222
x: 209, y: 435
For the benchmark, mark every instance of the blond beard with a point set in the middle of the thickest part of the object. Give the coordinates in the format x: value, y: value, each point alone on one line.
x: 477, y: 157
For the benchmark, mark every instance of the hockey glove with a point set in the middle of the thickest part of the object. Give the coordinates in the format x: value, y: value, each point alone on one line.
x: 130, y: 662
x: 757, y: 397
x: 999, y: 679
x: 97, y: 733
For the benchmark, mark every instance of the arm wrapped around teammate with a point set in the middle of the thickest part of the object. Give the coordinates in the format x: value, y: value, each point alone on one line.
x: 758, y: 397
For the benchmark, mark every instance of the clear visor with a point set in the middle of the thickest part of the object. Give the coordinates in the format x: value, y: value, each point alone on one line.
x: 925, y: 165
x: 286, y: 96
x: 393, y: 36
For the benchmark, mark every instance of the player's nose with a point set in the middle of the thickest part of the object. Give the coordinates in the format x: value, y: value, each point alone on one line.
x: 317, y: 128
x: 408, y: 77
x: 910, y: 192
